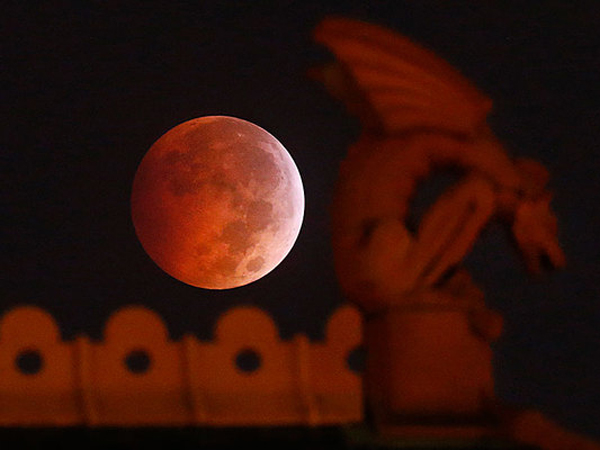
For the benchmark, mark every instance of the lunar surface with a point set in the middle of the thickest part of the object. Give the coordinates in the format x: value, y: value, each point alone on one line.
x: 217, y: 202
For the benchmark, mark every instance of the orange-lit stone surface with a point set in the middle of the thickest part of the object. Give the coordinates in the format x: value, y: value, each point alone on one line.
x: 418, y: 360
x: 427, y: 329
x: 50, y: 396
x: 185, y: 382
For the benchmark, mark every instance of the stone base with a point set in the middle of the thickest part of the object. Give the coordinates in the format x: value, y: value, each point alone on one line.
x: 427, y: 366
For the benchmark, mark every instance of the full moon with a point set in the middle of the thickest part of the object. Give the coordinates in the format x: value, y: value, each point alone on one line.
x: 217, y: 202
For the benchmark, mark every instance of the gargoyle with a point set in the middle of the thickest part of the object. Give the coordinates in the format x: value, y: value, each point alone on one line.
x: 418, y: 115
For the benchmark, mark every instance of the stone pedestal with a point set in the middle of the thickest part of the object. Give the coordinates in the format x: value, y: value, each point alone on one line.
x: 428, y: 373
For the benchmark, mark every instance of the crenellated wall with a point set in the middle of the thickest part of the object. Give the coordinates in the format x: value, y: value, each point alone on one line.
x: 246, y: 376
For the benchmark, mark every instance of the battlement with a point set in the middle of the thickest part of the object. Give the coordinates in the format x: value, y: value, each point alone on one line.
x: 246, y: 376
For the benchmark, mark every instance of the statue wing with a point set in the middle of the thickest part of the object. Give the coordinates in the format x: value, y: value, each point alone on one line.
x: 394, y: 85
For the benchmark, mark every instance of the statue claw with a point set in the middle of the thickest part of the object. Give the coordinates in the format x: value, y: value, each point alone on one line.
x: 535, y: 231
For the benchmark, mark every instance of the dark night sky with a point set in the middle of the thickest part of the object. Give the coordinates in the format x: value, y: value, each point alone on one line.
x: 90, y: 88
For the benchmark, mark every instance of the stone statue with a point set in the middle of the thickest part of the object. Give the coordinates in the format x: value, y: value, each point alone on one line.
x: 427, y: 328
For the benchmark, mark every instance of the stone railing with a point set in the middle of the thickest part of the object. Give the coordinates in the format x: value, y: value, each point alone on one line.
x: 246, y: 376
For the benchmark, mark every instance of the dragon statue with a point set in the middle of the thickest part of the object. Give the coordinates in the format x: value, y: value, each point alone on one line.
x: 419, y: 115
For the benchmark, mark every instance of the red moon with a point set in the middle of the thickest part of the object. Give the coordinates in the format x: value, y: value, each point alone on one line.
x: 217, y: 202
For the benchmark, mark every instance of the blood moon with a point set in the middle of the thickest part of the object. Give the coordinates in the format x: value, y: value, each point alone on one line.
x: 217, y: 202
